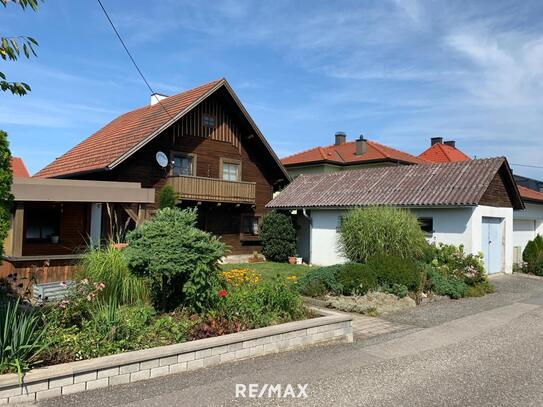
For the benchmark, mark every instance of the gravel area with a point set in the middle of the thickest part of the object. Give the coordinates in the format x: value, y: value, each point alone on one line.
x: 509, y: 289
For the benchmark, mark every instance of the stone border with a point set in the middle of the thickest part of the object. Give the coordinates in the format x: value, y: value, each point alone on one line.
x: 68, y: 378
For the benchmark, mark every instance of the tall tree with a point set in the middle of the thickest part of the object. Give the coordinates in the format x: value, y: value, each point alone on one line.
x: 12, y: 48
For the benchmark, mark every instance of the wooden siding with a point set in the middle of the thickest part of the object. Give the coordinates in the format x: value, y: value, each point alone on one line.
x: 497, y: 193
x: 57, y: 270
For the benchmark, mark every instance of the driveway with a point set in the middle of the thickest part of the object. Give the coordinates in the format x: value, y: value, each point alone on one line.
x: 481, y: 352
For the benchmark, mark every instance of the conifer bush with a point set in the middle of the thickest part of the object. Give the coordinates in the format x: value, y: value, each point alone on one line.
x: 278, y: 237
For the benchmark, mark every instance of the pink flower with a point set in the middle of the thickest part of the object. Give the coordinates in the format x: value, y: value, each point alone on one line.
x: 85, y: 281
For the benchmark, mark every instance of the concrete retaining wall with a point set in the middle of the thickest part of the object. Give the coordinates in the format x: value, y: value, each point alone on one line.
x: 68, y: 378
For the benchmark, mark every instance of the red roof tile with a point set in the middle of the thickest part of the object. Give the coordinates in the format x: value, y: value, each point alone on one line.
x: 18, y: 167
x: 529, y: 194
x: 123, y: 134
x: 442, y: 153
x: 344, y: 154
x: 445, y: 184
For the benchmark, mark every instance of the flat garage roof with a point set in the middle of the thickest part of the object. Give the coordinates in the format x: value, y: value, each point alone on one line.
x: 69, y: 190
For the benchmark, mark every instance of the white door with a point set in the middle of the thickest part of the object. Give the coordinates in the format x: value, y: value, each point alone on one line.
x: 492, y: 244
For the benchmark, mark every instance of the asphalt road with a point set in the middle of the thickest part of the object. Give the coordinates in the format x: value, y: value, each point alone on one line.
x: 476, y: 352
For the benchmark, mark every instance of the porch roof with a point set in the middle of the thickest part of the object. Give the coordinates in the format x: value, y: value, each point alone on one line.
x: 69, y: 190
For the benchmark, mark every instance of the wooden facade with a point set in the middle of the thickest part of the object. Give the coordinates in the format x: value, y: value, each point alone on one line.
x: 223, y: 205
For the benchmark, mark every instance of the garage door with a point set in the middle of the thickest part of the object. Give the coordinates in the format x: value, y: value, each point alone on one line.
x: 523, y: 232
x: 492, y: 244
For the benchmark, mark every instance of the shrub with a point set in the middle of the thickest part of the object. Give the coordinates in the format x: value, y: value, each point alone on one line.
x: 180, y: 260
x: 533, y: 252
x: 399, y: 290
x: 6, y: 178
x: 109, y: 266
x: 480, y: 289
x: 367, y: 232
x: 452, y: 261
x: 356, y: 279
x: 22, y: 339
x: 445, y: 285
x: 390, y: 270
x: 259, y: 305
x: 320, y: 281
x: 278, y: 237
x: 167, y: 198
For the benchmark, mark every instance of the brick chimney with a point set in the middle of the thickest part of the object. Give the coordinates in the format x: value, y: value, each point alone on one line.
x: 340, y: 138
x: 157, y: 97
x: 436, y: 140
x: 361, y: 145
x: 451, y: 143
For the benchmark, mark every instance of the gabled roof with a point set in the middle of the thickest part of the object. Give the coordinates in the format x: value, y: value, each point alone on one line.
x: 529, y: 194
x: 451, y: 184
x: 442, y: 153
x: 344, y: 154
x: 126, y: 134
x: 18, y: 167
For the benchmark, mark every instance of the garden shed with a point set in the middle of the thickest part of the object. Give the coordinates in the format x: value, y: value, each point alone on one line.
x: 469, y: 203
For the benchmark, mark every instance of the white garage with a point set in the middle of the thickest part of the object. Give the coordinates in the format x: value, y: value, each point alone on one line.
x: 469, y: 203
x: 527, y: 223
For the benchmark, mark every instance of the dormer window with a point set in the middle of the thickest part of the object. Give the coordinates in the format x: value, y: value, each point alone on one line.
x: 208, y: 121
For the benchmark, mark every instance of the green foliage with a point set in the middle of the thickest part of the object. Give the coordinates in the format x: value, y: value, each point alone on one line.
x: 533, y: 250
x: 22, y: 339
x: 356, y: 278
x: 6, y: 178
x: 167, y: 198
x: 180, y: 260
x: 390, y: 270
x: 109, y: 266
x: 278, y: 237
x: 320, y: 281
x: 480, y: 289
x: 259, y: 305
x: 367, y: 232
x: 452, y: 261
x: 11, y: 48
x: 445, y: 285
x: 399, y: 290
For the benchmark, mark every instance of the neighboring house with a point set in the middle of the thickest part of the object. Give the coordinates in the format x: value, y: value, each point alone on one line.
x: 527, y: 223
x: 346, y: 155
x: 18, y: 167
x: 214, y: 157
x: 443, y: 152
x: 54, y: 220
x: 469, y: 203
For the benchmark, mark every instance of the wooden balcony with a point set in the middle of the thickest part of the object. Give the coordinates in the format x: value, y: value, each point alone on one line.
x: 211, y: 189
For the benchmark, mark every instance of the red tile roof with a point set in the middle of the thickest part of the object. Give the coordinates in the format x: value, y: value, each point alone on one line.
x: 460, y: 183
x: 344, y: 154
x: 18, y: 167
x: 124, y: 133
x: 442, y: 153
x: 529, y: 194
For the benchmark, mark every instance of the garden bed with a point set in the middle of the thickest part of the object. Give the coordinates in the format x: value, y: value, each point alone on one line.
x: 67, y: 378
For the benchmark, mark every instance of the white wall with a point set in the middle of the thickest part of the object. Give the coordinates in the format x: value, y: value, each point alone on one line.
x: 324, y: 237
x: 451, y: 226
x: 526, y: 225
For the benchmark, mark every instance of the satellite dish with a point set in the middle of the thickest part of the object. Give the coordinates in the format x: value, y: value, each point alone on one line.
x: 161, y: 159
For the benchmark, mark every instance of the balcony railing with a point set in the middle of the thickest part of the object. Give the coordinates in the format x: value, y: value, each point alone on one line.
x: 211, y: 189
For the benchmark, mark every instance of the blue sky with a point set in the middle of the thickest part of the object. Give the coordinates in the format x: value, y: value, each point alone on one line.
x: 398, y: 72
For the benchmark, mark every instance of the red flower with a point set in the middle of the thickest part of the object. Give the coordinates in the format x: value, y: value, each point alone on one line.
x: 222, y: 293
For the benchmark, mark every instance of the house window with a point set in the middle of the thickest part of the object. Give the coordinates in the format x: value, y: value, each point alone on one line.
x: 231, y: 170
x: 250, y: 225
x: 183, y: 165
x: 208, y: 121
x: 41, y: 224
x: 427, y: 225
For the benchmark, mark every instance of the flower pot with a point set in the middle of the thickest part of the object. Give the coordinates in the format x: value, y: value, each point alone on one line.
x: 55, y: 239
x: 292, y: 260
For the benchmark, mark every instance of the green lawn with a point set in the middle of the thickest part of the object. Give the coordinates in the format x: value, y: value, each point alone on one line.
x: 269, y: 269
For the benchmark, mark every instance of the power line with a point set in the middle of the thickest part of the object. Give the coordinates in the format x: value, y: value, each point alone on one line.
x: 527, y: 165
x: 132, y: 58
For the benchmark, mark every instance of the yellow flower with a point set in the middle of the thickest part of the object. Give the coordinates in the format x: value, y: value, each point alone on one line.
x: 240, y: 276
x: 292, y: 278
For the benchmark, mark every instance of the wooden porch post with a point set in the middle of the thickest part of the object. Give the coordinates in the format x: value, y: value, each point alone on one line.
x: 17, y: 227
